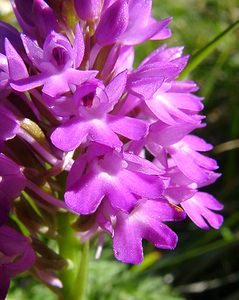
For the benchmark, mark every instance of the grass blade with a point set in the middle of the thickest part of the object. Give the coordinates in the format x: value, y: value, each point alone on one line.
x: 203, y: 53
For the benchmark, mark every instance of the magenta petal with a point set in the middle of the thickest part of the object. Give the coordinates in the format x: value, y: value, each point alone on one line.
x: 16, y: 66
x: 8, y: 167
x: 173, y: 110
x: 77, y: 77
x: 127, y: 242
x: 77, y: 170
x: 161, y: 111
x: 34, y: 52
x: 199, y: 209
x: 178, y: 194
x: 159, y: 210
x: 119, y: 196
x: 139, y: 10
x: 29, y: 83
x: 144, y: 87
x: 143, y: 185
x: 163, y: 55
x: 138, y: 35
x: 149, y: 216
x: 56, y: 85
x: 78, y: 47
x: 209, y: 201
x: 184, y: 101
x: 125, y: 59
x: 167, y: 135
x: 189, y: 167
x: 23, y: 17
x: 187, y: 86
x: 115, y: 88
x: 160, y: 235
x: 17, y: 252
x: 70, y: 135
x: 144, y: 222
x: 17, y: 183
x: 141, y: 165
x: 204, y: 161
x: 197, y: 143
x: 131, y: 128
x: 101, y: 133
x: 162, y: 34
x: 86, y: 195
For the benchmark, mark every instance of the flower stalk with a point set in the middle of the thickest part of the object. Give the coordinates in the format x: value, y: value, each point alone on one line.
x: 74, y: 276
x: 81, y: 283
x: 69, y: 249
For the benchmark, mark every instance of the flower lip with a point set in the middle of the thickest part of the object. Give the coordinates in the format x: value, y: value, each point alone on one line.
x: 60, y: 56
x: 88, y: 99
x: 58, y: 51
x: 112, y: 168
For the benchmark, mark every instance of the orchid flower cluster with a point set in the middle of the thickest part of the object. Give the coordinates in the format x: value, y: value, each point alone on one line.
x: 84, y: 132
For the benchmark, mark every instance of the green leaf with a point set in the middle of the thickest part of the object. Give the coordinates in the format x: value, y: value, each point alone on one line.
x: 32, y: 204
x: 203, y: 53
x: 21, y: 226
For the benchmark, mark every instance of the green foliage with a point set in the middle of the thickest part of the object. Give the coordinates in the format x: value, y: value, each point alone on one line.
x: 115, y: 281
x: 28, y: 289
x: 109, y: 280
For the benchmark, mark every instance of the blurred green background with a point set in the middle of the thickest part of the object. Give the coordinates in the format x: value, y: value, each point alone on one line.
x: 205, y: 265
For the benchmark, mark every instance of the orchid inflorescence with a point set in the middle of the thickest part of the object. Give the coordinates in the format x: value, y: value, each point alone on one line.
x: 79, y: 123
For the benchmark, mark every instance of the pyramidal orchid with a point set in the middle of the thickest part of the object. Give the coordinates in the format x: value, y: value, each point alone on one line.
x: 91, y: 146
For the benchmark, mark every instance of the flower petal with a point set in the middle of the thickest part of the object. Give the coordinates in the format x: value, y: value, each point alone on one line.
x: 131, y: 128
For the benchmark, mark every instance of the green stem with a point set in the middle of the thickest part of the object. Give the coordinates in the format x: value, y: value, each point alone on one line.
x: 74, y: 276
x: 80, y: 285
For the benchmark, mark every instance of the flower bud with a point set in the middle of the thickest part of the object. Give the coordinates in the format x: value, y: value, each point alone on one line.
x: 11, y: 33
x: 44, y: 18
x: 87, y: 9
x: 113, y: 23
x: 36, y: 17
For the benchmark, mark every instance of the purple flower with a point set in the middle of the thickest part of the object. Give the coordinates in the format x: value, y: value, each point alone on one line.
x: 16, y: 256
x: 12, y: 182
x: 57, y: 62
x: 186, y: 157
x: 119, y: 22
x: 200, y: 209
x: 93, y: 121
x: 11, y: 66
x: 36, y: 17
x: 144, y: 222
x: 154, y: 81
x: 72, y: 103
x: 93, y: 177
x: 148, y: 28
